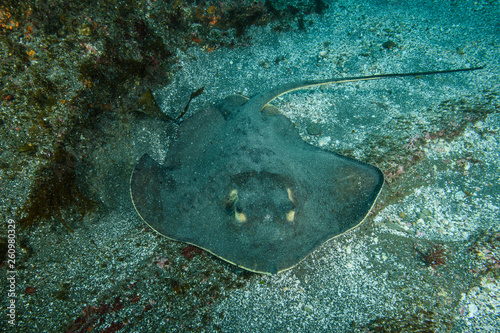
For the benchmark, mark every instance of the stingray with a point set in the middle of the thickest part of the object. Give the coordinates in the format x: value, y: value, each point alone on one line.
x: 240, y: 183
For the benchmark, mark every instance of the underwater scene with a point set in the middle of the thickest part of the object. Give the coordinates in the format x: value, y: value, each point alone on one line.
x: 250, y: 166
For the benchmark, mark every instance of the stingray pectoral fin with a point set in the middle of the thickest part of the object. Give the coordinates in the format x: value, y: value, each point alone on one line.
x: 355, y: 188
x: 146, y: 184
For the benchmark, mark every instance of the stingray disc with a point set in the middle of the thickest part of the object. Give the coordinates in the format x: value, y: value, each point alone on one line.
x: 244, y: 186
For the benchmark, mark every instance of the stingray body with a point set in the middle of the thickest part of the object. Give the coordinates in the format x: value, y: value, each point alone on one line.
x: 240, y: 183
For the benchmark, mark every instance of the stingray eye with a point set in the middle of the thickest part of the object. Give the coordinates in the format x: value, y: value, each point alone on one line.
x: 290, y: 216
x: 239, y: 216
x: 290, y: 195
x: 231, y: 200
x: 233, y: 206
